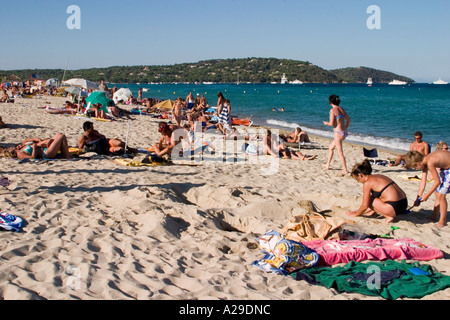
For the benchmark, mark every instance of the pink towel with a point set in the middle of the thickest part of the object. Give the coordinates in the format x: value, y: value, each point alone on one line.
x: 335, y: 251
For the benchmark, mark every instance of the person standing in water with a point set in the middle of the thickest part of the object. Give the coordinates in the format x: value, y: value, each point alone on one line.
x: 340, y: 121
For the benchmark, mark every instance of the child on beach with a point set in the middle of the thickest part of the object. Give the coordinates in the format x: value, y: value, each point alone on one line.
x: 389, y: 201
x: 340, y: 121
x: 435, y: 160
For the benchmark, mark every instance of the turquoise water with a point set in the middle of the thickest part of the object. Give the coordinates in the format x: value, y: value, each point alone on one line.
x: 382, y: 115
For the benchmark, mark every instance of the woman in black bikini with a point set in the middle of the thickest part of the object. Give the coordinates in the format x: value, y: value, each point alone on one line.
x: 380, y: 194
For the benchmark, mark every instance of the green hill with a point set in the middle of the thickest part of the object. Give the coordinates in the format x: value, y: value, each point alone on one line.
x: 255, y: 70
x: 361, y: 74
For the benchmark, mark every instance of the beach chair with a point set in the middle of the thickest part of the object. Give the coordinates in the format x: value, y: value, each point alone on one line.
x: 372, y: 154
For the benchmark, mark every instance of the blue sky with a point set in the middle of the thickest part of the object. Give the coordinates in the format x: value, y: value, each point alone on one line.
x: 414, y: 39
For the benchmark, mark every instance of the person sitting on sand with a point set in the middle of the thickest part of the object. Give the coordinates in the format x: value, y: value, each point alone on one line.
x: 418, y: 145
x: 436, y: 160
x: 297, y: 136
x: 36, y: 148
x: 381, y: 195
x: 272, y: 147
x: 93, y: 141
x: 167, y: 141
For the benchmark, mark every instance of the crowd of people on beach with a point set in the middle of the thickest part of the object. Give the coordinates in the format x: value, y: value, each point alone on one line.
x: 381, y: 195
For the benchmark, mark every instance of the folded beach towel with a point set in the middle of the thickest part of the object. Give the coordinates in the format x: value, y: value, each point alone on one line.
x: 389, y: 279
x: 283, y: 256
x: 10, y: 222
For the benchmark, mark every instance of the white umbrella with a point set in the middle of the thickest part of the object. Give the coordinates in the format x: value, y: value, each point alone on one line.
x: 85, y: 84
x: 52, y: 82
x: 122, y: 94
x: 76, y: 91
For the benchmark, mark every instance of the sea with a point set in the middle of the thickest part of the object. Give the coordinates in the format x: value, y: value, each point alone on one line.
x: 382, y: 115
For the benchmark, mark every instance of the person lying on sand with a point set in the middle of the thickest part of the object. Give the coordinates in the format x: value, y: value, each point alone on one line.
x: 272, y: 147
x: 118, y: 112
x: 380, y: 194
x: 36, y: 148
x: 93, y: 141
x: 296, y: 137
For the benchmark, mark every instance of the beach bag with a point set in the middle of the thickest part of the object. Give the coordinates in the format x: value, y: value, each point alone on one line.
x: 154, y: 159
x: 10, y: 222
x: 311, y: 226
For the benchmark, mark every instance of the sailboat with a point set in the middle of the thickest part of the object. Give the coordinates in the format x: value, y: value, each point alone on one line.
x: 440, y: 81
x: 369, y: 82
x: 284, y: 80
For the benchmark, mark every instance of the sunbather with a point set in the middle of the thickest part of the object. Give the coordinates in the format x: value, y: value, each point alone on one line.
x: 36, y: 148
x: 297, y: 136
x: 276, y: 149
x: 94, y: 141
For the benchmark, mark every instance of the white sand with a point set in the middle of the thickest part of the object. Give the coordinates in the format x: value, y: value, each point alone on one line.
x: 98, y: 230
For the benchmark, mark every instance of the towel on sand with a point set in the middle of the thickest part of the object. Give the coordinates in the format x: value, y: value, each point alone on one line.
x: 389, y: 279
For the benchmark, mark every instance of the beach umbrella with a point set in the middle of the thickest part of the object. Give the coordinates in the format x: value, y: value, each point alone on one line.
x: 75, y: 91
x: 168, y: 104
x: 122, y: 94
x: 83, y: 83
x: 52, y: 82
x: 99, y: 97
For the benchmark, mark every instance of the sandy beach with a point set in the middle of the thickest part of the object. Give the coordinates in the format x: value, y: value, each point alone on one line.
x: 95, y: 229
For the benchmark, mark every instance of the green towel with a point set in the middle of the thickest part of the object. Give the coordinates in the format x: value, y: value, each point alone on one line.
x: 389, y: 279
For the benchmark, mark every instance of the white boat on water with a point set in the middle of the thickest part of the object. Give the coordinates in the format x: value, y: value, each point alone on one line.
x: 398, y: 83
x: 295, y: 82
x: 284, y: 80
x: 440, y: 81
x: 369, y: 82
